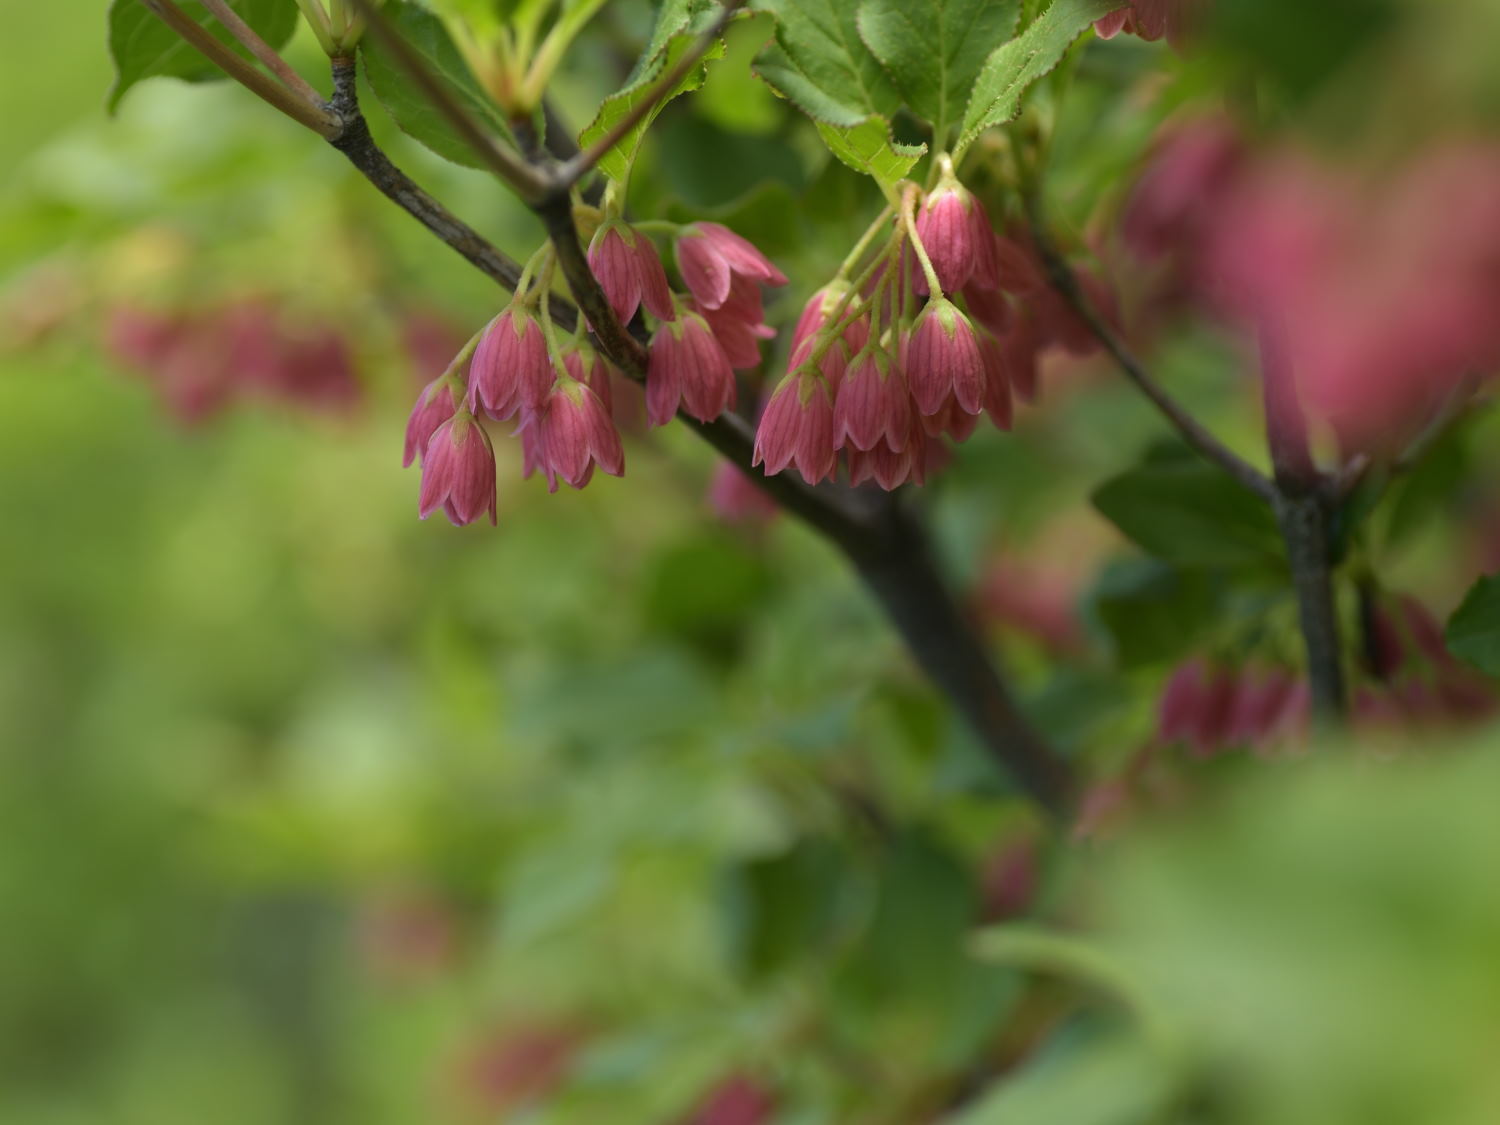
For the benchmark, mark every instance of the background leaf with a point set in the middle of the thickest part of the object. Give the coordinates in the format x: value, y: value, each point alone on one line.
x: 1015, y: 65
x: 1474, y: 628
x: 934, y: 49
x: 678, y: 25
x: 407, y: 105
x: 144, y: 47
x: 821, y: 63
x: 1193, y: 514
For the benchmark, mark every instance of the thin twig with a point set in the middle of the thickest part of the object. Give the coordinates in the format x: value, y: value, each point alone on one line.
x: 245, y: 36
x: 526, y: 181
x: 355, y: 142
x: 1193, y: 432
x: 314, y: 116
x: 1304, y: 512
x: 579, y: 166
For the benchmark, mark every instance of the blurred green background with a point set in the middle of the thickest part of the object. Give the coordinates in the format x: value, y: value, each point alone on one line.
x: 312, y: 812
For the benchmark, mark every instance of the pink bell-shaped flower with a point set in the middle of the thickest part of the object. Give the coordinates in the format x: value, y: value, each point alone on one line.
x: 710, y: 256
x: 942, y: 359
x: 510, y: 370
x: 574, y: 434
x: 629, y: 272
x: 872, y: 404
x: 458, y: 472
x: 435, y: 405
x: 687, y: 368
x: 797, y: 427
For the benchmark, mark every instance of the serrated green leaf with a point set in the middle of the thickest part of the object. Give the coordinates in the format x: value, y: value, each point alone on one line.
x: 934, y: 49
x: 868, y: 148
x: 408, y: 106
x: 1474, y: 629
x: 1192, y: 514
x: 820, y: 63
x: 678, y: 26
x: 1014, y: 66
x: 142, y: 46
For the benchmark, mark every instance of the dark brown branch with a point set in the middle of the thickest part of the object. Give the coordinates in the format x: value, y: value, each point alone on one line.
x: 354, y: 141
x: 1193, y: 432
x: 1305, y: 521
x: 1304, y: 510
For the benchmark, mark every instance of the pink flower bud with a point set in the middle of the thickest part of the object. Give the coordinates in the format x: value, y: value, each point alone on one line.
x: 510, y: 370
x: 629, y: 272
x: 458, y: 472
x: 687, y: 368
x: 574, y: 434
x: 947, y: 229
x: 942, y: 359
x: 736, y: 498
x: 709, y: 255
x: 797, y: 426
x: 872, y: 404
x: 435, y: 405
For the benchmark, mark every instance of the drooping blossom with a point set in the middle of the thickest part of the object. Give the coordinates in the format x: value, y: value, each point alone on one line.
x: 942, y: 360
x: 710, y: 256
x: 1211, y: 707
x: 629, y: 272
x: 510, y: 371
x: 955, y: 234
x: 687, y: 368
x: 458, y: 472
x: 738, y: 324
x: 797, y: 427
x: 735, y: 498
x: 435, y: 404
x: 1152, y: 20
x: 872, y: 404
x: 574, y: 434
x: 1380, y: 296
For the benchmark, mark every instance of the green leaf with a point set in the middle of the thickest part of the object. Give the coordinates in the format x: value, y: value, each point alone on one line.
x: 868, y: 148
x: 678, y: 25
x: 407, y: 105
x: 142, y: 46
x: 934, y: 49
x: 1474, y: 629
x: 820, y: 63
x: 1192, y: 514
x: 1014, y: 66
x: 1153, y: 612
x: 1113, y: 1079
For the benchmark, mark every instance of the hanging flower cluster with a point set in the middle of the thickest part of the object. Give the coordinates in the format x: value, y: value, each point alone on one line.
x: 558, y: 389
x: 916, y: 336
x: 201, y: 361
x: 943, y: 324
